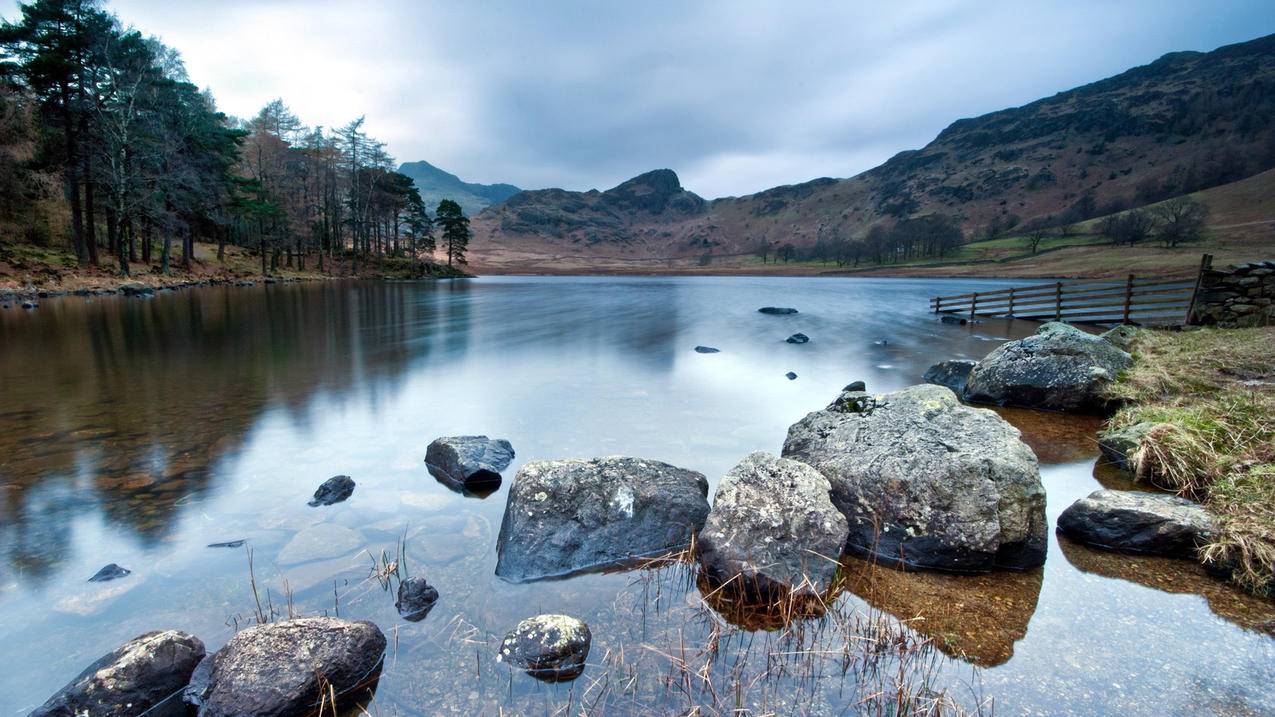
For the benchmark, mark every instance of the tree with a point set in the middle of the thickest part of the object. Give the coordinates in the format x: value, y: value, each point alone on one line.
x: 1180, y: 220
x: 455, y: 226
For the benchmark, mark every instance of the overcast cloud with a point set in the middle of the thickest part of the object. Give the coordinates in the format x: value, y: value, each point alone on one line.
x: 734, y: 96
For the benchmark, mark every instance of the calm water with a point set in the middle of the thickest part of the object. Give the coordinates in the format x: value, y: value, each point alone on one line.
x: 139, y: 431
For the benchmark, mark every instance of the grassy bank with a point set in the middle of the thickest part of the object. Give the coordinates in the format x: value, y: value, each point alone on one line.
x: 1211, y: 397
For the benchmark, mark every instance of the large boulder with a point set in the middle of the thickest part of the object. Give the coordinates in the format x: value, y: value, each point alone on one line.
x: 927, y: 482
x: 1137, y: 522
x: 288, y: 668
x: 571, y: 515
x: 549, y: 647
x: 138, y: 675
x: 467, y: 460
x: 952, y: 374
x: 1059, y: 368
x: 773, y: 529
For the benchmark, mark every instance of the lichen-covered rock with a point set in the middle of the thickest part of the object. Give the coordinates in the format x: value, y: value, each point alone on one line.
x: 549, y: 647
x: 416, y: 598
x: 138, y: 675
x: 465, y: 460
x: 1059, y: 368
x: 952, y: 374
x: 1121, y: 445
x: 773, y: 529
x: 571, y: 515
x: 927, y: 482
x: 1121, y: 336
x: 333, y: 490
x: 1137, y: 522
x: 287, y: 669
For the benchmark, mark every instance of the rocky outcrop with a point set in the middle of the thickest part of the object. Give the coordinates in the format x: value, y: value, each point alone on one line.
x: 1136, y: 522
x: 773, y: 529
x: 1060, y: 368
x: 416, y: 598
x: 467, y: 460
x: 549, y: 647
x: 333, y: 490
x: 952, y: 374
x: 138, y: 675
x: 571, y: 515
x: 927, y: 482
x: 287, y: 669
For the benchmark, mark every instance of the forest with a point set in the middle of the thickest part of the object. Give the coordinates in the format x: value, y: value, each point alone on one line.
x: 106, y: 142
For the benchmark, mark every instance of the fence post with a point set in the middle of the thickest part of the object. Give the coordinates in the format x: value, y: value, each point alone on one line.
x: 1011, y: 302
x: 1128, y: 298
x: 973, y: 304
x: 1206, y: 263
x: 1058, y: 301
x: 938, y: 304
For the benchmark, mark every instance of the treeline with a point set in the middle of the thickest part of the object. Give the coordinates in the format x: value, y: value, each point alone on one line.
x: 144, y: 159
x: 925, y: 237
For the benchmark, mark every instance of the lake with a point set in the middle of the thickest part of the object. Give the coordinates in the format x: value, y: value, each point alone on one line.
x: 139, y: 431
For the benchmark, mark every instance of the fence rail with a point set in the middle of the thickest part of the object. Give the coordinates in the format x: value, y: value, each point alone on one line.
x: 1132, y: 301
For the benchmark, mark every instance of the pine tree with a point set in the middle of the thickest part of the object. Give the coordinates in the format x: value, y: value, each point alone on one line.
x: 455, y: 227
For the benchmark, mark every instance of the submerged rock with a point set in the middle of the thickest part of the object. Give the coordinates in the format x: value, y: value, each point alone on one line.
x: 110, y: 572
x: 289, y: 668
x: 1121, y: 445
x: 706, y: 350
x: 798, y: 338
x: 777, y: 310
x: 927, y: 482
x: 1137, y: 522
x: 953, y: 319
x: 325, y: 540
x: 415, y: 599
x: 1060, y: 368
x: 952, y: 374
x: 228, y: 544
x: 135, y: 677
x: 333, y: 490
x: 463, y: 461
x: 549, y: 647
x: 773, y: 529
x: 571, y: 515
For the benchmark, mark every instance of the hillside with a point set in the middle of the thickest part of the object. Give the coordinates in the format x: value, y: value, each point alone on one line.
x: 1185, y: 122
x: 435, y: 185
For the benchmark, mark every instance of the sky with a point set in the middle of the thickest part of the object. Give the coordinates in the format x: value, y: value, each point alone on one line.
x: 734, y: 96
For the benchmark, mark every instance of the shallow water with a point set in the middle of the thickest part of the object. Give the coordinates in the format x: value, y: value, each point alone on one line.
x: 138, y: 431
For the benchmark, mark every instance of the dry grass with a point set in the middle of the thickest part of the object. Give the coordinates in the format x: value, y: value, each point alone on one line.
x: 1211, y: 394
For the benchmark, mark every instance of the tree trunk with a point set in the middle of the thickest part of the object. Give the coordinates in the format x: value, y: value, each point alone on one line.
x: 146, y: 244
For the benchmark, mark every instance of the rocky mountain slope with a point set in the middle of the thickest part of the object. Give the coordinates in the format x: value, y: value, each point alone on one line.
x: 1185, y: 122
x: 435, y: 185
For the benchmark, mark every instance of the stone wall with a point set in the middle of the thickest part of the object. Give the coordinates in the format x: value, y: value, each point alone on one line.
x: 1243, y: 295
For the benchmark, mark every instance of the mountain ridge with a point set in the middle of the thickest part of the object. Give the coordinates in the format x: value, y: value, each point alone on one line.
x: 436, y: 184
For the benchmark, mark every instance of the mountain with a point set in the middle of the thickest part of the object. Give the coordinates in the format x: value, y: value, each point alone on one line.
x: 435, y: 185
x: 1185, y: 122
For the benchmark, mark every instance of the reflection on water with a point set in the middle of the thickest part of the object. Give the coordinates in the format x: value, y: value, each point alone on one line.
x: 140, y: 431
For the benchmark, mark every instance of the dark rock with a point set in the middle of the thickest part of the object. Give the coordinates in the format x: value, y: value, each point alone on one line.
x: 245, y: 282
x: 29, y: 305
x: 549, y: 647
x: 953, y: 319
x: 228, y: 544
x: 110, y: 572
x: 572, y: 515
x: 798, y: 339
x: 706, y: 350
x: 791, y: 376
x: 773, y: 529
x: 1136, y: 522
x: 467, y: 461
x: 856, y: 386
x: 415, y: 599
x: 135, y: 289
x: 1060, y: 368
x: 137, y: 676
x: 777, y: 310
x: 927, y: 482
x: 1121, y: 445
x: 952, y: 374
x: 289, y: 668
x: 333, y: 490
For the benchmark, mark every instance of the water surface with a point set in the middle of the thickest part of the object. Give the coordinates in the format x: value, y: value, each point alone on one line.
x: 138, y: 431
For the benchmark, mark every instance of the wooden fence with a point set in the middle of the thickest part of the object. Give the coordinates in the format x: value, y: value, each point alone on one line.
x: 1132, y: 301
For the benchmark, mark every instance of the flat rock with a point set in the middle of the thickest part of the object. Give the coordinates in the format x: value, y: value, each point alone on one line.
x: 465, y: 460
x: 777, y: 310
x: 130, y: 680
x: 552, y: 648
x: 1137, y: 522
x: 1060, y: 368
x: 567, y: 516
x: 927, y: 482
x: 333, y: 490
x: 325, y: 540
x: 287, y: 669
x: 773, y: 529
x: 952, y: 374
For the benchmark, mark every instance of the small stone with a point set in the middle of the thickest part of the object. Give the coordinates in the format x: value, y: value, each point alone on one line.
x: 856, y: 386
x: 333, y: 490
x: 791, y: 376
x: 706, y: 350
x: 551, y: 648
x: 777, y: 310
x: 798, y: 338
x: 110, y: 572
x: 416, y: 598
x: 465, y: 461
x: 228, y: 544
